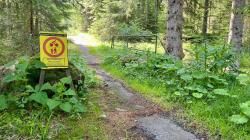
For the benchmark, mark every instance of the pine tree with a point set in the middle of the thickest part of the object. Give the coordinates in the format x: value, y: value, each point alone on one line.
x: 174, y: 29
x: 236, y: 24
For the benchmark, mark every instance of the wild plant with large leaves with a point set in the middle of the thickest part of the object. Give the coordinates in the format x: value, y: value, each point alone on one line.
x: 244, y: 108
x: 21, y: 93
x: 200, y: 78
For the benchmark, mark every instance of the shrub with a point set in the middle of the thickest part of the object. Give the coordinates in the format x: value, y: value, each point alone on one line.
x: 22, y: 92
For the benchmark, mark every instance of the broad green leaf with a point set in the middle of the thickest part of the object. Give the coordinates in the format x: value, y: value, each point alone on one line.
x: 38, y: 64
x: 177, y: 93
x: 168, y: 67
x: 210, y: 85
x: 73, y: 100
x: 67, y: 107
x: 192, y: 88
x: 22, y: 66
x: 218, y: 79
x: 66, y: 80
x: 186, y: 77
x: 3, y: 102
x: 9, y: 78
x: 211, y: 96
x: 245, y: 108
x: 185, y: 93
x: 222, y: 92
x: 59, y: 87
x: 29, y: 89
x: 69, y: 92
x: 79, y: 108
x: 181, y: 71
x: 243, y: 79
x: 197, y: 95
x: 189, y: 101
x: 52, y: 104
x: 238, y: 119
x: 199, y: 75
x: 132, y: 65
x: 46, y: 87
x: 40, y: 97
x: 37, y: 88
x: 201, y: 89
x: 10, y: 63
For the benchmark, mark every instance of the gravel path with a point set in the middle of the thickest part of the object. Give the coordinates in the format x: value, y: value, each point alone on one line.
x: 142, y: 117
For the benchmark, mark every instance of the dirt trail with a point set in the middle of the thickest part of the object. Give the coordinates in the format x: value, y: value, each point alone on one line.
x: 129, y: 115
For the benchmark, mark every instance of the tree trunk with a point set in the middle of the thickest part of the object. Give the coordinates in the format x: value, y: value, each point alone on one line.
x: 247, y: 27
x: 236, y: 24
x: 156, y: 16
x: 37, y: 24
x: 86, y: 21
x: 147, y: 13
x: 174, y: 29
x: 31, y: 19
x: 205, y: 17
x: 36, y: 19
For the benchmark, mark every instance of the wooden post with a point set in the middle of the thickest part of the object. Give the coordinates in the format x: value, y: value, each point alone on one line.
x: 41, y: 79
x: 156, y: 43
x: 42, y: 76
x: 69, y: 75
x: 127, y: 41
x: 112, y: 42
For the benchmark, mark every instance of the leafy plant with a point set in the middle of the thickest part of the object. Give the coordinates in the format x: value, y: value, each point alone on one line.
x: 198, y: 79
x: 243, y: 79
x: 62, y: 98
x: 3, y: 102
x: 216, y: 59
x: 52, y: 97
x: 238, y: 119
x: 244, y: 116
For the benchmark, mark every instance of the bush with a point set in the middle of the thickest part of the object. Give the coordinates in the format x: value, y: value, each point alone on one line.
x: 21, y: 90
x: 207, y: 76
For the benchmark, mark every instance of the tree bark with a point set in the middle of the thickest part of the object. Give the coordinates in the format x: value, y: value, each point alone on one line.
x: 37, y: 24
x: 205, y: 17
x: 86, y: 20
x: 247, y: 27
x: 86, y: 15
x: 156, y: 15
x: 236, y: 24
x: 31, y: 18
x: 147, y: 12
x: 36, y: 27
x: 174, y: 29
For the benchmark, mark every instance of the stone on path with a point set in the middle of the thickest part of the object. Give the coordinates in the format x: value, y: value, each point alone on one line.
x: 163, y: 129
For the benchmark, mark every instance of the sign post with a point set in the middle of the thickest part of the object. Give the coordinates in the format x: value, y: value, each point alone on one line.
x: 54, y: 53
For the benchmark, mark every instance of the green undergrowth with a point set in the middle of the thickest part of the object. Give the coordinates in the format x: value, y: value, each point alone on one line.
x: 38, y: 124
x: 53, y: 110
x: 215, y: 99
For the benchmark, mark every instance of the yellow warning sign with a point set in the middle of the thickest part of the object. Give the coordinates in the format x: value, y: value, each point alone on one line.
x: 54, y: 50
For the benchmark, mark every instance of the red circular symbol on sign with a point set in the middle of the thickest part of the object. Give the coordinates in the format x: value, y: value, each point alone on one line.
x: 53, y: 47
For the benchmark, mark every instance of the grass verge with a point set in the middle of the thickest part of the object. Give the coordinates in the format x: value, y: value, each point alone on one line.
x: 203, y: 116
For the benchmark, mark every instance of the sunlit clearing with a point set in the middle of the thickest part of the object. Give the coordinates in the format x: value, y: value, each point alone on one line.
x: 85, y: 40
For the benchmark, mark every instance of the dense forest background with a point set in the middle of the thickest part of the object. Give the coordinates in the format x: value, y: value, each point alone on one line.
x: 22, y: 20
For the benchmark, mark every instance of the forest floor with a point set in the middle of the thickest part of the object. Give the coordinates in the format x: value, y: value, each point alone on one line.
x: 128, y: 115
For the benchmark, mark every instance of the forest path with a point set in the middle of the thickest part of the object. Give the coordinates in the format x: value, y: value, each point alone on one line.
x: 129, y: 115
